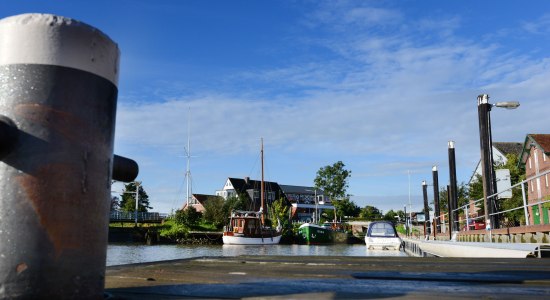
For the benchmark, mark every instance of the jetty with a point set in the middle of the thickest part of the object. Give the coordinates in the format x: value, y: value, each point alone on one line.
x: 315, y: 277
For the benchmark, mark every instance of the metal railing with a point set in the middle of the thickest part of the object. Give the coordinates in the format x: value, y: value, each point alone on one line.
x: 466, y: 208
x: 141, y: 216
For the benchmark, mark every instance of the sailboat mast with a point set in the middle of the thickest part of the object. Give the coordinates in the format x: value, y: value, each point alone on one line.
x: 188, y: 171
x: 262, y: 184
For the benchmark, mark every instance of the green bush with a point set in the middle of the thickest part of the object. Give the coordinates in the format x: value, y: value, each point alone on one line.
x: 189, y: 217
x: 173, y: 231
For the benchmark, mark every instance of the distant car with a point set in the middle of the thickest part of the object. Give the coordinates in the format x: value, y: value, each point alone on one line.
x: 476, y: 225
x: 382, y: 235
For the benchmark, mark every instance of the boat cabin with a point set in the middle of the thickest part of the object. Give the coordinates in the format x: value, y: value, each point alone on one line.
x: 247, y: 223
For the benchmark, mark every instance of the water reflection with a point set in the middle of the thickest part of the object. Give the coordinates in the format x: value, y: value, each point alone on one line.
x: 128, y: 254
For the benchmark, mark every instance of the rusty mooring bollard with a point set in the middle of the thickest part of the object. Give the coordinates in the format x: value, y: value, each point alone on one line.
x: 58, y: 93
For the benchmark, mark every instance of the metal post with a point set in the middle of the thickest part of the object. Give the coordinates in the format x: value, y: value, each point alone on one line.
x: 453, y: 197
x: 406, y: 222
x: 317, y: 217
x: 426, y: 208
x: 437, y: 228
x: 525, y: 207
x: 137, y: 203
x: 449, y: 207
x: 410, y: 204
x: 487, y: 172
x: 59, y: 87
x: 467, y: 218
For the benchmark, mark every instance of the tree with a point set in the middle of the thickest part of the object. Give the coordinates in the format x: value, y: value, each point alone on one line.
x: 391, y: 216
x: 517, y: 174
x: 236, y: 203
x: 371, y: 213
x: 279, y: 212
x: 333, y: 180
x: 463, y: 197
x: 215, y: 212
x: 188, y: 217
x: 128, y: 202
x: 346, y: 208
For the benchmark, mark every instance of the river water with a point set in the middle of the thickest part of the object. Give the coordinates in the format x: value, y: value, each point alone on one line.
x: 119, y: 254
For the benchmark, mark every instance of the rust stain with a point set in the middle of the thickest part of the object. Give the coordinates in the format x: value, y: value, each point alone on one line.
x: 65, y: 123
x: 21, y: 268
x: 57, y: 206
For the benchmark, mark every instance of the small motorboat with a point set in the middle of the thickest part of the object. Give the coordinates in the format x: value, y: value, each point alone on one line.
x: 382, y: 235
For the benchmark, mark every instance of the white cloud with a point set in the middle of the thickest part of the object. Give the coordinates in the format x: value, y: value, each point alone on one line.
x: 393, y: 100
x: 539, y: 26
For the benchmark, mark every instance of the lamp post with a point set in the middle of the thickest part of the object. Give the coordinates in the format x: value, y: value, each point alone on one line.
x: 137, y: 204
x: 486, y: 147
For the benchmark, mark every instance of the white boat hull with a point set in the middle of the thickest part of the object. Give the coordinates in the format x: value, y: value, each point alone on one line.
x: 242, y: 240
x: 383, y: 243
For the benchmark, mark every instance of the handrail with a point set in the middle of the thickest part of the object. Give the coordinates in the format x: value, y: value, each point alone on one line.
x: 524, y: 206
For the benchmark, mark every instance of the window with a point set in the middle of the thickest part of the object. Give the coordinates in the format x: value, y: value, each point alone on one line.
x: 546, y: 179
x: 544, y: 157
x: 530, y: 163
x: 532, y: 186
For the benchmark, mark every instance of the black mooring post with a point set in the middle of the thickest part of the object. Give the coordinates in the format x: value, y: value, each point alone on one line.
x: 449, y: 206
x: 437, y: 226
x: 426, y: 209
x: 58, y: 98
x: 453, y: 195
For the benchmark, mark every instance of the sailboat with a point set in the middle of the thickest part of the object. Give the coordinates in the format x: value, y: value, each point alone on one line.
x: 249, y: 227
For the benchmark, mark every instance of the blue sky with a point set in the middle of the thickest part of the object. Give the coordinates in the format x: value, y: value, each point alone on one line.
x: 380, y: 85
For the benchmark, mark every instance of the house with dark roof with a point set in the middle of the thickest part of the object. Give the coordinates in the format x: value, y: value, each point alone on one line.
x: 500, y: 150
x: 535, y: 156
x: 250, y: 189
x: 198, y: 201
x: 306, y: 201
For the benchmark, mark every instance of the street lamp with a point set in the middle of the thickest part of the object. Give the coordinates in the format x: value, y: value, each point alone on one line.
x: 486, y: 147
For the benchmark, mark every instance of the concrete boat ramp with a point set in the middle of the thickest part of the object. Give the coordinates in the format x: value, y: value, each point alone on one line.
x: 317, y: 277
x: 415, y: 247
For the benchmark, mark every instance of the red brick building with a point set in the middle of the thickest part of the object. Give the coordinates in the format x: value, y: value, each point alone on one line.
x: 199, y: 200
x: 536, y: 158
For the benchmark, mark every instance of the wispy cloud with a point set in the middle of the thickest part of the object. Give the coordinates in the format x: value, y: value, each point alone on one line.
x: 382, y: 91
x: 538, y: 26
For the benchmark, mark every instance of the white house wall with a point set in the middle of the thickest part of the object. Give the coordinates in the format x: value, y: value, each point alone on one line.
x: 498, y: 158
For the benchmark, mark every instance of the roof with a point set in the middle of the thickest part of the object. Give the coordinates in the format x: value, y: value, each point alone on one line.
x: 202, y: 198
x: 300, y: 189
x: 241, y: 185
x: 508, y: 147
x: 540, y: 141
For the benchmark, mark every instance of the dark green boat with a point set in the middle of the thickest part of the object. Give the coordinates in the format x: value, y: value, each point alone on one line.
x: 312, y: 234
